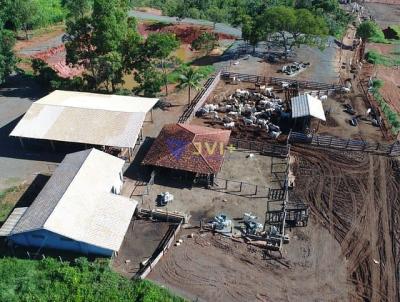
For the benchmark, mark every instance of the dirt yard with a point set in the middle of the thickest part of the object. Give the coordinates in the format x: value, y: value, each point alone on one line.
x: 356, y: 197
x: 215, y: 268
x: 204, y: 203
x: 350, y: 250
x: 338, y: 125
x: 141, y: 240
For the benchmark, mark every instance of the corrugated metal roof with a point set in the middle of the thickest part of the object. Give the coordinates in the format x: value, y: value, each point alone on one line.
x: 306, y: 105
x: 80, y: 205
x: 98, y: 101
x: 85, y: 118
x: 11, y: 221
x: 189, y: 148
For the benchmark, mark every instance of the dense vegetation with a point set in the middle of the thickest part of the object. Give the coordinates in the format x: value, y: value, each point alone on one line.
x: 369, y: 31
x: 51, y: 280
x: 234, y: 11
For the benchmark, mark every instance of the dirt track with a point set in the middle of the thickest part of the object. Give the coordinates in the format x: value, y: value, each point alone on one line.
x: 356, y: 197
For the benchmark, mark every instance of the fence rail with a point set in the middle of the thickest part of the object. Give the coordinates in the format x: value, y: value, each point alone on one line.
x: 163, y: 247
x: 261, y: 147
x: 345, y: 144
x: 200, y: 98
x: 276, y: 81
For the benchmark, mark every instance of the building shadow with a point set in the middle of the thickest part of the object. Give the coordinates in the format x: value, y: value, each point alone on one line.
x: 11, y: 147
x: 137, y: 171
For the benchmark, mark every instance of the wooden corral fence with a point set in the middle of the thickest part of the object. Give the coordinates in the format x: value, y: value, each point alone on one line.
x: 200, y: 98
x: 251, y: 78
x: 277, y: 150
x: 372, y: 103
x: 239, y: 188
x: 164, y: 245
x: 327, y: 141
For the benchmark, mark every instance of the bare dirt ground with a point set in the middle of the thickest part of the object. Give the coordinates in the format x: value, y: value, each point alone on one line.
x: 215, y: 268
x: 356, y: 197
x: 203, y: 203
x: 41, y: 41
x: 338, y: 125
x: 141, y: 241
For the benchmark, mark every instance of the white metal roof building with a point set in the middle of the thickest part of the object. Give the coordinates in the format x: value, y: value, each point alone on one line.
x: 76, y: 210
x: 97, y: 119
x: 307, y: 105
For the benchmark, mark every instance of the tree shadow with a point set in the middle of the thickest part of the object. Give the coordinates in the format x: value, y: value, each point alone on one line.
x: 22, y: 86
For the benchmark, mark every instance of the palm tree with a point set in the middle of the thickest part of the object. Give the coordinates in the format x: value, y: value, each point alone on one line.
x: 190, y: 78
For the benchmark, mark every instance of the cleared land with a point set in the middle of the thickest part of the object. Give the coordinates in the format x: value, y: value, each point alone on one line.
x: 215, y: 268
x: 356, y: 197
x: 348, y: 252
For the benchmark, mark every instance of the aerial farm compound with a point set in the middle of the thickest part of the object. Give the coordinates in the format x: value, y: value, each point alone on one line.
x: 264, y: 187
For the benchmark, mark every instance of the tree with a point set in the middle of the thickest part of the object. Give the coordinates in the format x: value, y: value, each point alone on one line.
x: 7, y: 57
x: 368, y: 30
x: 251, y: 32
x: 103, y: 42
x: 206, y: 41
x: 159, y: 47
x: 24, y: 13
x: 190, y: 78
x: 215, y: 14
x: 149, y: 80
x: 78, y: 8
x: 290, y: 27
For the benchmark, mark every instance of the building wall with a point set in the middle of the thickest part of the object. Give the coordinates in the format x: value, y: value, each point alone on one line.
x: 46, y: 239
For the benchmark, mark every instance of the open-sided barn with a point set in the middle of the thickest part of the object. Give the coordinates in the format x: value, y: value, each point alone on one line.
x: 86, y: 118
x: 194, y: 149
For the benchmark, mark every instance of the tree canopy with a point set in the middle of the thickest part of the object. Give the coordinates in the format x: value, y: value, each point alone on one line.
x: 370, y: 31
x: 286, y: 27
x: 7, y: 41
x: 102, y: 41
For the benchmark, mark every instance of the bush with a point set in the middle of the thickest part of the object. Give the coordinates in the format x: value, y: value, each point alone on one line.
x: 374, y: 57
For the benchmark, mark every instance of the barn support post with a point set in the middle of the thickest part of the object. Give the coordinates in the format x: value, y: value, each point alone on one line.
x: 53, y: 147
x: 151, y: 115
x: 22, y: 143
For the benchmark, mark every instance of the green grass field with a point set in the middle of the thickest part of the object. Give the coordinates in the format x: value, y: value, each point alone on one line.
x: 52, y: 280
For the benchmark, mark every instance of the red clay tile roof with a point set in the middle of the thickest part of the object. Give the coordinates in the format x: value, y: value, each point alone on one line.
x: 189, y: 148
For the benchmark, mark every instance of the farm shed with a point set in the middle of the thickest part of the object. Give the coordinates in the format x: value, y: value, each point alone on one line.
x: 307, y: 106
x: 304, y: 107
x: 86, y: 118
x: 78, y: 209
x: 195, y: 150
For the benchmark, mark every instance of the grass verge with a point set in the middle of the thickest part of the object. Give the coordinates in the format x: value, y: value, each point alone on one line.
x: 81, y: 280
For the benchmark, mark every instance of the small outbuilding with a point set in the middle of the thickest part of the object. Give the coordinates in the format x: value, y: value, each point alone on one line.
x: 86, y: 118
x: 193, y: 151
x: 78, y: 210
x: 304, y: 107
